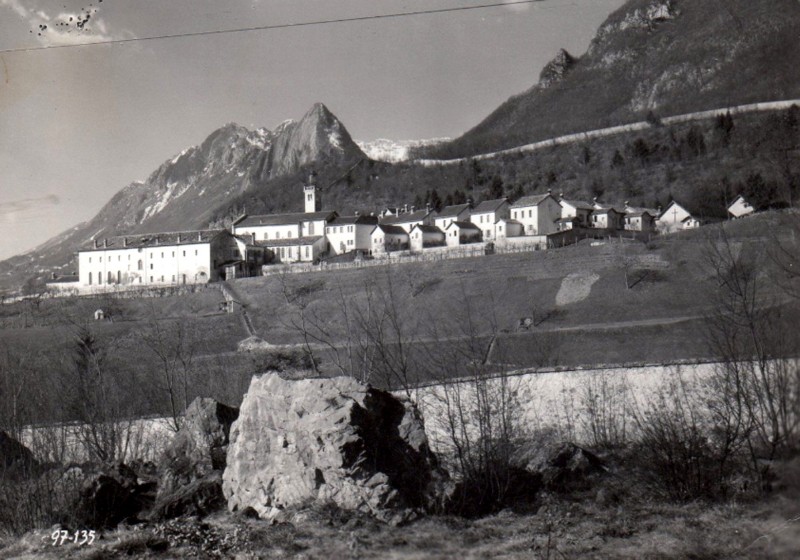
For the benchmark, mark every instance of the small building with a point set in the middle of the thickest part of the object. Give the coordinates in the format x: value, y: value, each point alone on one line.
x: 350, y: 233
x: 568, y: 223
x: 577, y: 209
x: 675, y: 218
x: 450, y: 214
x: 537, y: 213
x: 639, y: 220
x: 462, y: 233
x: 424, y: 236
x: 740, y: 208
x: 407, y: 220
x: 507, y: 227
x: 607, y: 217
x: 486, y: 214
x: 386, y: 238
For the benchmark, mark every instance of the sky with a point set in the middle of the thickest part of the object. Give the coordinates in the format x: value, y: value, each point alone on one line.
x: 80, y: 122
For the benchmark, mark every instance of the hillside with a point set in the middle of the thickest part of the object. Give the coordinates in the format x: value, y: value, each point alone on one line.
x: 667, y: 57
x: 186, y: 190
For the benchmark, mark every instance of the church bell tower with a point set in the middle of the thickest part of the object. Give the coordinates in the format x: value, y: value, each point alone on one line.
x: 312, y: 200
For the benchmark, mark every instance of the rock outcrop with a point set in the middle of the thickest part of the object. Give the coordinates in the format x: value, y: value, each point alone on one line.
x: 329, y: 441
x: 556, y: 70
x: 109, y: 496
x: 190, y: 481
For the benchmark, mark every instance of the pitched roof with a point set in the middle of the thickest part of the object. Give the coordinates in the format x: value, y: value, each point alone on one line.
x: 452, y: 211
x: 389, y: 228
x: 406, y: 218
x: 285, y: 219
x: 578, y: 204
x: 290, y: 241
x: 489, y: 206
x: 347, y: 220
x: 464, y: 225
x: 426, y: 229
x: 167, y: 239
x: 607, y: 210
x: 530, y: 200
x: 637, y: 212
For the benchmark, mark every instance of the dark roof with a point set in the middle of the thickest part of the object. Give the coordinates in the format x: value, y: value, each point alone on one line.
x: 637, y: 212
x: 154, y: 239
x: 489, y: 206
x: 452, y: 211
x: 532, y: 200
x: 289, y: 241
x: 284, y: 219
x: 347, y: 220
x: 464, y: 225
x: 578, y: 204
x: 389, y: 228
x: 427, y: 229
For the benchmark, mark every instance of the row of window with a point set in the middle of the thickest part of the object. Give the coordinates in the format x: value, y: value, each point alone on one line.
x: 152, y: 255
x: 340, y: 229
x: 520, y: 214
x: 112, y: 279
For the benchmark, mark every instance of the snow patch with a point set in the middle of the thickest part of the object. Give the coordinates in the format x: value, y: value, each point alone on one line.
x: 163, y: 198
x: 394, y: 151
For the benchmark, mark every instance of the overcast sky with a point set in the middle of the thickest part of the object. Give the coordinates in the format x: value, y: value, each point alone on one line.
x: 78, y: 124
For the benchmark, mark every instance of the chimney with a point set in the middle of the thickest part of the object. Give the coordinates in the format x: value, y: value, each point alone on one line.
x: 470, y: 202
x: 627, y: 203
x: 124, y: 241
x: 356, y: 213
x: 412, y: 209
x: 550, y: 192
x: 53, y: 276
x: 156, y: 239
x: 561, y: 196
x: 199, y: 235
x: 96, y: 243
x: 105, y: 243
x: 179, y: 238
x: 594, y: 200
x: 428, y: 208
x: 405, y: 208
x: 372, y: 213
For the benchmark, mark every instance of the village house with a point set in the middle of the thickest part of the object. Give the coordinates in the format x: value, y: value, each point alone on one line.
x: 575, y: 209
x: 676, y: 218
x: 188, y: 257
x: 386, y: 238
x: 507, y: 227
x: 462, y: 233
x: 639, y: 219
x: 487, y: 214
x: 537, y: 213
x: 407, y: 220
x: 607, y: 217
x: 350, y: 233
x: 568, y: 223
x: 450, y: 214
x: 740, y: 207
x: 424, y: 236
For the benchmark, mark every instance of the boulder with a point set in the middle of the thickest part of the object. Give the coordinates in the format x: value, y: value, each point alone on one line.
x: 16, y: 460
x: 109, y: 496
x: 329, y: 441
x: 190, y: 471
x: 558, y: 466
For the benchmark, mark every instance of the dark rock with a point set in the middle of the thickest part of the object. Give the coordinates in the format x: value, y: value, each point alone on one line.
x: 111, y: 496
x: 16, y: 460
x: 191, y: 467
x: 559, y: 466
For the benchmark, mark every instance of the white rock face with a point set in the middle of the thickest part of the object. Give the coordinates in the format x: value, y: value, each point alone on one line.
x: 328, y: 441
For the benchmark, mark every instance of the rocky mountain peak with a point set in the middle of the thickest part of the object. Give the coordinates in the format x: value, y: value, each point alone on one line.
x: 557, y: 69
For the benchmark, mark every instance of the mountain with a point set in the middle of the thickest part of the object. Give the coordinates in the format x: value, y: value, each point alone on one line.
x: 661, y: 56
x: 186, y: 191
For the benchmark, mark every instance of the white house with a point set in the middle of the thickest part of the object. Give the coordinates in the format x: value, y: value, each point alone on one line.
x: 350, y: 233
x: 639, y: 220
x: 675, y: 218
x: 577, y: 209
x: 462, y: 233
x: 272, y: 227
x: 507, y: 227
x: 450, y: 214
x: 486, y: 214
x: 537, y: 213
x: 407, y: 220
x: 386, y: 238
x: 187, y: 257
x: 423, y: 236
x: 607, y: 217
x: 740, y: 207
